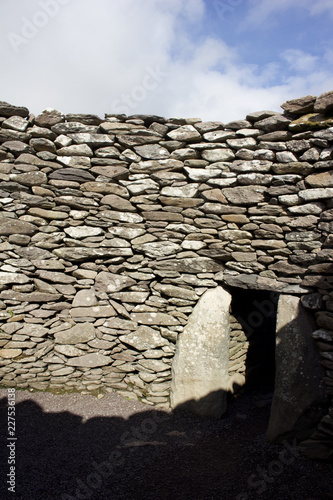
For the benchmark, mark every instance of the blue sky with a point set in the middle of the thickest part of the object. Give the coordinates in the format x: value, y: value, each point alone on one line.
x: 213, y: 59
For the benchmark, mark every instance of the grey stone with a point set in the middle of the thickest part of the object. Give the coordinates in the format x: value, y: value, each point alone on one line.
x: 219, y: 135
x: 253, y: 166
x: 92, y: 140
x: 175, y: 291
x: 188, y: 265
x: 75, y: 150
x: 247, y: 142
x: 188, y: 191
x: 159, y: 248
x: 298, y: 383
x: 153, y: 365
x: 300, y: 106
x: 15, y: 226
x: 316, y: 194
x: 7, y: 278
x: 144, y: 338
x: 42, y: 144
x: 8, y: 110
x: 110, y: 282
x: 83, y: 231
x: 78, y: 254
x: 93, y: 312
x: 245, y: 195
x: 200, y: 365
x: 68, y: 350
x: 90, y: 360
x: 16, y: 123
x: 218, y: 154
x: 118, y: 203
x: 78, y: 334
x: 185, y: 133
x: 152, y: 152
x: 272, y: 123
x: 85, y: 298
x: 72, y: 174
x: 105, y: 188
x: 324, y: 103
x: 154, y: 318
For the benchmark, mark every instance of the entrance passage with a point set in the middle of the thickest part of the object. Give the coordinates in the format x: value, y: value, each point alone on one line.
x: 253, y: 320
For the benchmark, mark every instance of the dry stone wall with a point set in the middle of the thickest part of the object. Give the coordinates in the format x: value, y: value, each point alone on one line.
x: 112, y: 229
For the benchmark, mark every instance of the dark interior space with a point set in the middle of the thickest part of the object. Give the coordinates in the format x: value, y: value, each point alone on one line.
x: 256, y: 311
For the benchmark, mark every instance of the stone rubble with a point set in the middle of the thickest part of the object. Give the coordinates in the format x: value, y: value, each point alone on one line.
x: 112, y: 229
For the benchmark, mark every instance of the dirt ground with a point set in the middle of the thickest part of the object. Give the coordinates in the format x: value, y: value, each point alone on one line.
x: 76, y: 446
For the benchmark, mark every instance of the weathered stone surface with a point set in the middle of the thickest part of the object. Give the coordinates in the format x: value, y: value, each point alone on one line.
x: 321, y: 180
x: 7, y: 110
x: 68, y: 350
x: 218, y: 154
x: 188, y: 265
x: 300, y: 106
x: 83, y: 231
x: 92, y: 140
x: 15, y: 226
x: 109, y: 282
x: 144, y: 338
x: 75, y: 150
x: 159, y: 248
x: 7, y: 278
x: 154, y: 318
x: 188, y: 191
x: 10, y: 353
x: 185, y: 133
x: 78, y: 254
x: 316, y: 194
x: 298, y: 382
x: 152, y: 152
x: 85, y: 298
x: 324, y: 103
x: 253, y: 166
x: 200, y: 365
x: 77, y: 335
x: 175, y: 291
x: 303, y: 168
x: 245, y: 195
x: 93, y: 312
x: 92, y: 360
x: 272, y: 123
x: 72, y: 174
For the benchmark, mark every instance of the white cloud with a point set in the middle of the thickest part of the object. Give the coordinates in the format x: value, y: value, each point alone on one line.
x: 139, y: 56
x: 262, y: 11
x: 300, y: 61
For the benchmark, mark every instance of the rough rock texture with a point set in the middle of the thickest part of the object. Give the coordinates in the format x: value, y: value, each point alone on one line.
x: 299, y: 373
x: 200, y: 366
x: 123, y: 223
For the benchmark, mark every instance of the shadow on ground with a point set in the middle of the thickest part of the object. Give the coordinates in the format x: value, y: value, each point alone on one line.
x: 152, y: 455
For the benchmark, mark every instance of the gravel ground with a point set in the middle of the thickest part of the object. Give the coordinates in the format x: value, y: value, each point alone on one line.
x: 76, y: 446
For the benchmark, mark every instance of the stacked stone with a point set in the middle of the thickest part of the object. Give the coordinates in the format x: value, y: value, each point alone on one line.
x: 238, y: 348
x: 112, y: 229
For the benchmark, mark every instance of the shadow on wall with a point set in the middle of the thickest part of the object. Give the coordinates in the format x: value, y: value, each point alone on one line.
x: 150, y: 455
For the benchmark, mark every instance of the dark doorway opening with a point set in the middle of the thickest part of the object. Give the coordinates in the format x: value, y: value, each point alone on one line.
x: 256, y: 311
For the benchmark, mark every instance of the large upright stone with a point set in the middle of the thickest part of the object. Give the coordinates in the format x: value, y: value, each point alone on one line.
x: 200, y: 366
x: 298, y: 382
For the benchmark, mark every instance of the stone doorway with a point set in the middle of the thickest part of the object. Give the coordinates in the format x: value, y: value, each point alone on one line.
x: 201, y: 370
x: 252, y: 339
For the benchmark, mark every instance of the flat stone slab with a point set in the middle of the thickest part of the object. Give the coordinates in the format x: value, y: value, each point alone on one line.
x: 79, y: 334
x: 200, y: 365
x: 92, y: 360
